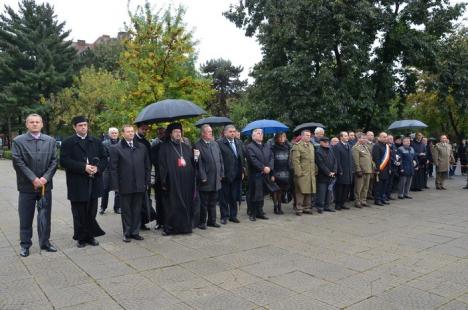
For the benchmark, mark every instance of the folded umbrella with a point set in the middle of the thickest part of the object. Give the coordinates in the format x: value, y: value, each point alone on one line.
x: 214, y: 121
x: 42, y: 215
x: 168, y: 110
x: 268, y: 126
x: 407, y: 124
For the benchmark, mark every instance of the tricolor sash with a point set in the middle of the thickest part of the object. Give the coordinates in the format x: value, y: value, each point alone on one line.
x: 385, y: 159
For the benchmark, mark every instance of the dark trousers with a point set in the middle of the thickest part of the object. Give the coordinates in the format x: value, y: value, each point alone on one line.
x: 255, y: 208
x: 84, y: 217
x: 105, y: 193
x: 158, y: 193
x: 228, y: 199
x: 341, y: 194
x: 380, y: 189
x: 26, y: 210
x: 322, y: 196
x: 130, y: 205
x: 208, y: 202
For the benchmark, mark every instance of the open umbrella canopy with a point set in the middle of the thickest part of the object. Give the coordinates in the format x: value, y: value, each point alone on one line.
x: 168, y: 110
x: 310, y: 126
x: 214, y: 121
x: 407, y: 124
x: 268, y: 126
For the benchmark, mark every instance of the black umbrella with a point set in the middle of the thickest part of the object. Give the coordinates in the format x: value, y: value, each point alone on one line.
x: 214, y: 121
x: 41, y: 205
x: 310, y: 126
x: 168, y: 110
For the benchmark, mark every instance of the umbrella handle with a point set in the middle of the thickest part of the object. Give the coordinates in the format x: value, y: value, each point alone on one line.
x: 43, y: 190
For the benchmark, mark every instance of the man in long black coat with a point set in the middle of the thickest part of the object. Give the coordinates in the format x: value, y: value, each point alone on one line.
x: 327, y: 168
x: 84, y: 158
x: 154, y: 155
x: 232, y: 151
x: 419, y: 178
x: 210, y: 174
x: 140, y: 137
x: 130, y: 170
x: 177, y: 174
x: 260, y: 163
x: 344, y: 175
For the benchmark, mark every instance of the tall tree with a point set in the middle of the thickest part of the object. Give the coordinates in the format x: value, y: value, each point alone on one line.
x: 338, y: 61
x: 105, y: 55
x: 36, y: 59
x: 226, y: 82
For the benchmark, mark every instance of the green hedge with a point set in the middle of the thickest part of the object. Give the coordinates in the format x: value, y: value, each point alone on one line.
x: 6, y: 154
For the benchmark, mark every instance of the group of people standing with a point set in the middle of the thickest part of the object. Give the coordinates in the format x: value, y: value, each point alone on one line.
x: 190, y: 181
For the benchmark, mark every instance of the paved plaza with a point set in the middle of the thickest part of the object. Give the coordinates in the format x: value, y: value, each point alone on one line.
x: 412, y: 254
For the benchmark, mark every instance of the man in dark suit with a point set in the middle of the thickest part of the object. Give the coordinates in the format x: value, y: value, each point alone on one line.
x: 344, y: 175
x: 381, y: 155
x: 35, y: 163
x: 130, y: 170
x: 327, y: 167
x: 84, y: 158
x: 108, y: 143
x: 210, y: 174
x: 234, y: 167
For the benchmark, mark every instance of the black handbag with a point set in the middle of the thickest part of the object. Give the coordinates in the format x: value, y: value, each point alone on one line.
x: 269, y: 185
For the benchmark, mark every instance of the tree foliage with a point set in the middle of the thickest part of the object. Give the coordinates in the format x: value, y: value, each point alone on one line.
x: 105, y: 55
x: 340, y: 62
x: 226, y: 82
x: 36, y: 58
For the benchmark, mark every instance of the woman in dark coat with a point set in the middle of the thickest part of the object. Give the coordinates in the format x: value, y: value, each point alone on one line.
x: 281, y: 151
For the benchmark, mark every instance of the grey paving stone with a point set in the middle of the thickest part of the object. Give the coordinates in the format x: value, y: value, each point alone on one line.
x: 373, y: 303
x: 263, y: 292
x: 454, y: 305
x: 300, y: 302
x: 297, y: 281
x: 436, y: 284
x: 206, y: 266
x: 169, y: 275
x: 338, y: 295
x: 405, y: 297
x: 231, y: 279
x: 75, y: 295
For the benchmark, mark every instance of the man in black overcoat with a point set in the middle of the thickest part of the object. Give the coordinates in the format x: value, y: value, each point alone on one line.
x: 232, y: 151
x: 344, y: 175
x: 130, y: 170
x: 381, y: 155
x: 210, y: 174
x: 260, y: 163
x: 327, y: 168
x: 84, y: 158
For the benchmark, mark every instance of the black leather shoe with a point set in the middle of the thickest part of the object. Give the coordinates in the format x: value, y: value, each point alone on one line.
x: 391, y: 198
x: 81, y: 244
x: 338, y: 209
x: 319, y: 211
x: 262, y: 217
x: 234, y: 220
x: 328, y: 210
x: 137, y: 237
x: 224, y: 221
x: 202, y: 226
x: 408, y: 197
x: 143, y: 227
x: 344, y: 208
x: 117, y: 211
x: 385, y: 202
x: 126, y: 239
x: 378, y: 203
x: 49, y: 248
x: 24, y: 252
x: 102, y: 211
x: 401, y: 197
x: 214, y: 225
x: 165, y: 233
x: 93, y: 242
x: 252, y: 218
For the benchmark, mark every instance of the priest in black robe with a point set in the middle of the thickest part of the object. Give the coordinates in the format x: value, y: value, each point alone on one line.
x: 419, y: 179
x: 177, y: 177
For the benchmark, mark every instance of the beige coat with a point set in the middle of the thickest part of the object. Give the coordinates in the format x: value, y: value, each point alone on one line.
x: 303, y: 162
x: 362, y: 159
x: 442, y: 156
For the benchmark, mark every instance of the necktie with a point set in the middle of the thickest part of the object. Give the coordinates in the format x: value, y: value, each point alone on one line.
x: 130, y: 144
x: 233, y: 147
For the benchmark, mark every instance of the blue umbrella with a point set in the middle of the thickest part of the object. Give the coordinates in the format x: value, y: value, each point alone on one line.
x: 268, y: 126
x: 407, y: 124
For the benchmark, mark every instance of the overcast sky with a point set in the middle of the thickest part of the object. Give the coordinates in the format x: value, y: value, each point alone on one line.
x: 218, y: 38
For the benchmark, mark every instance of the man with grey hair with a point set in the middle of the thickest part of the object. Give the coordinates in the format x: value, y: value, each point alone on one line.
x: 113, y: 139
x: 260, y: 163
x: 35, y: 163
x: 319, y: 132
x: 210, y: 174
x: 234, y: 170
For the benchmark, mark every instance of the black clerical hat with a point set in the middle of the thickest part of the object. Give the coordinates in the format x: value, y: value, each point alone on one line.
x: 79, y: 119
x: 173, y: 126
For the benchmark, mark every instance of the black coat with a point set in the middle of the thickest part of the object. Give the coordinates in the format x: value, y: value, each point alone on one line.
x: 73, y: 155
x: 326, y: 163
x: 258, y: 156
x: 130, y: 168
x: 143, y: 141
x: 378, y: 152
x: 210, y: 166
x: 344, y: 159
x: 233, y: 166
